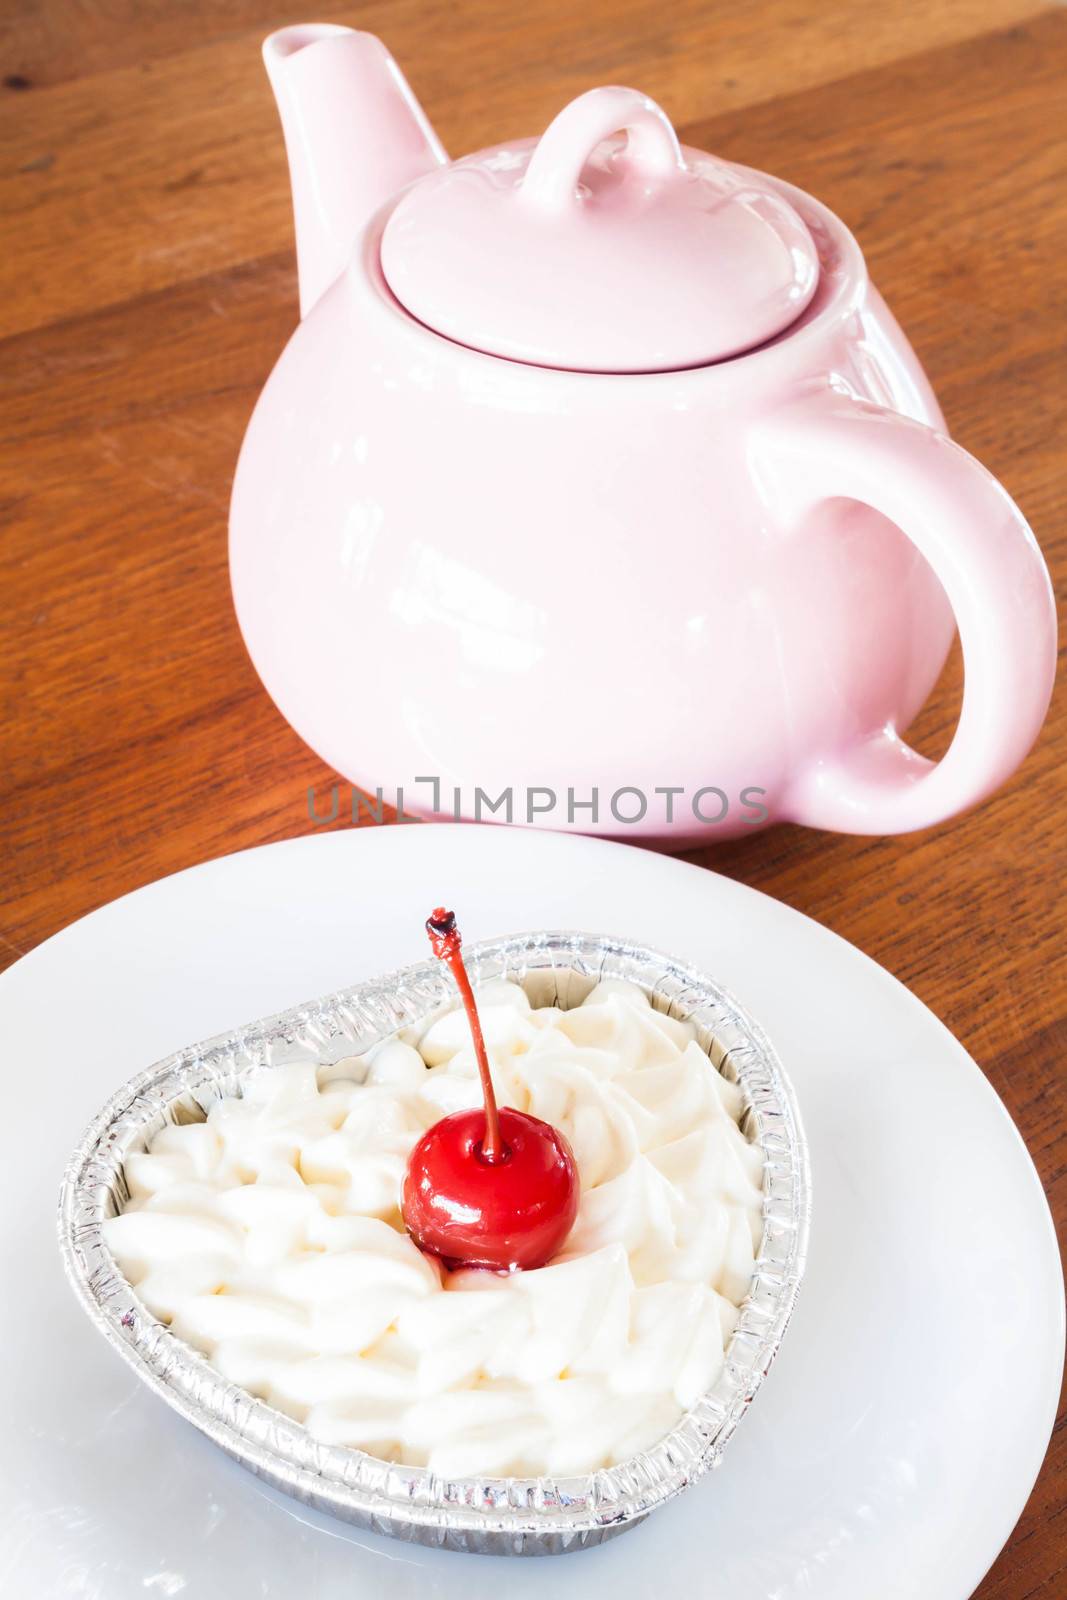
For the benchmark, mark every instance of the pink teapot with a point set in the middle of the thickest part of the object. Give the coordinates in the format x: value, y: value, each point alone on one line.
x: 597, y: 469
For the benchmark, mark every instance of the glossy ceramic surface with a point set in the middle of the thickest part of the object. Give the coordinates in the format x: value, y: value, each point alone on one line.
x: 570, y: 251
x: 742, y: 575
x: 865, y: 1470
x: 341, y: 95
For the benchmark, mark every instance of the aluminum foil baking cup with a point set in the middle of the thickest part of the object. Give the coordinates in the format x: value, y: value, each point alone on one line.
x: 498, y: 1516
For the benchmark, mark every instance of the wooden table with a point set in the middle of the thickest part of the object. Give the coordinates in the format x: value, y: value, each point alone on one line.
x: 148, y: 284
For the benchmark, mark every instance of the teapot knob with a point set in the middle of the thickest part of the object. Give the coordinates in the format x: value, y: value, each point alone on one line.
x: 556, y: 165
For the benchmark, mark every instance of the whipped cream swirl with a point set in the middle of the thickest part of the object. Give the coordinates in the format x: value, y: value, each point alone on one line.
x: 269, y: 1237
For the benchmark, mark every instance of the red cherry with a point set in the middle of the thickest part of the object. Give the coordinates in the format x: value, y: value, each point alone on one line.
x: 487, y: 1188
x: 515, y: 1212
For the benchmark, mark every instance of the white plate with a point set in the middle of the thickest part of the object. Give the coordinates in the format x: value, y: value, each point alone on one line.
x: 894, y: 1443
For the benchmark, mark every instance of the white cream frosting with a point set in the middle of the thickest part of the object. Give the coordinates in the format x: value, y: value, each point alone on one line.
x: 270, y: 1238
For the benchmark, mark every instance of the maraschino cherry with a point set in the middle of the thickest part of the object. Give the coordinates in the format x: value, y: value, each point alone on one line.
x: 487, y: 1187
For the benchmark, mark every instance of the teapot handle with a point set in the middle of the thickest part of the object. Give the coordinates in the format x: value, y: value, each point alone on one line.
x: 551, y: 179
x: 990, y: 567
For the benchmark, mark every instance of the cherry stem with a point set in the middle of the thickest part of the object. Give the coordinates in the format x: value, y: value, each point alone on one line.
x: 445, y: 942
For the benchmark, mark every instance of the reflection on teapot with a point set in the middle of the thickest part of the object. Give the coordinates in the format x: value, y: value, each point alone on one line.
x: 598, y: 462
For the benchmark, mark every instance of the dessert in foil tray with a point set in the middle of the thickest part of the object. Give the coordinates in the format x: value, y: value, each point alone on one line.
x: 270, y: 1237
x: 343, y: 1243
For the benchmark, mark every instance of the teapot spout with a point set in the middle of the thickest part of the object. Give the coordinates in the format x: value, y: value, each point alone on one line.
x: 354, y: 133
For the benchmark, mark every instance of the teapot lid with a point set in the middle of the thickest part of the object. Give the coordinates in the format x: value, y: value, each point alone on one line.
x: 583, y: 252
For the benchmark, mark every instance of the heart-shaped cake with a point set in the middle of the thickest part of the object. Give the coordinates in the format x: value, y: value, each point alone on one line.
x: 234, y: 1222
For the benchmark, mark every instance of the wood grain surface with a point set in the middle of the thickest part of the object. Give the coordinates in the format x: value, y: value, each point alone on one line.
x: 147, y: 284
